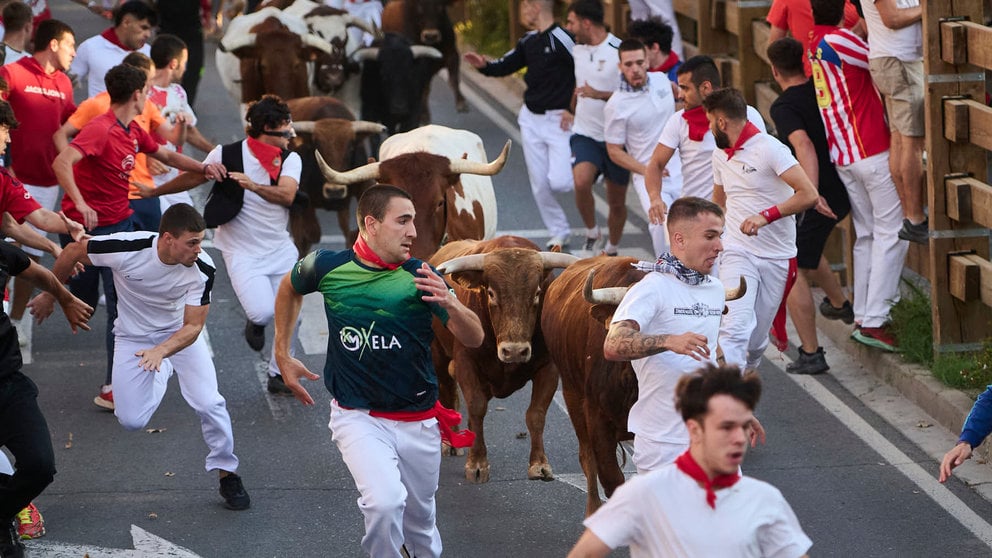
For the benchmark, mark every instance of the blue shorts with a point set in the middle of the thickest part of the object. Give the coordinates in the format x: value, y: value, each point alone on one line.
x: 588, y: 150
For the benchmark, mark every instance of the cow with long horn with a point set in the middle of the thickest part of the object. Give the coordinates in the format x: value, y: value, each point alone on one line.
x: 503, y: 281
x: 447, y: 174
x: 620, y: 351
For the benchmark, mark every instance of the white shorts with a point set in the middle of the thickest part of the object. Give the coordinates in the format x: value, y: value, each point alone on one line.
x: 47, y: 197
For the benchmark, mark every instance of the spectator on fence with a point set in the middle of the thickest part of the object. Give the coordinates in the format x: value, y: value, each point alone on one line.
x: 657, y: 39
x: 795, y: 17
x: 662, y: 10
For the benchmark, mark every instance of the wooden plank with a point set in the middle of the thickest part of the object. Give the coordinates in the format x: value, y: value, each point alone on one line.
x: 964, y: 279
x: 953, y: 43
x: 958, y: 199
x: 765, y: 94
x: 980, y: 124
x: 759, y: 33
x: 979, y: 44
x: 688, y: 8
x: 985, y: 283
x: 956, y: 120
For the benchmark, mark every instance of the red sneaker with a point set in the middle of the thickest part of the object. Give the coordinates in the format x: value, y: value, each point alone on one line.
x: 878, y: 337
x: 30, y: 524
x: 106, y: 398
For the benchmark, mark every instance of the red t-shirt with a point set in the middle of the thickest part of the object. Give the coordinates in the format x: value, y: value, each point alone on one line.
x: 14, y: 199
x: 796, y: 17
x: 102, y: 175
x: 42, y: 103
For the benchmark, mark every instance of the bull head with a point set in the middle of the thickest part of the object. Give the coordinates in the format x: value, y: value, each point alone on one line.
x: 334, y: 190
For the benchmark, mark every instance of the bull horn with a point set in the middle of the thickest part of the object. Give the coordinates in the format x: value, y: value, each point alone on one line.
x: 317, y: 43
x: 354, y: 176
x: 238, y: 42
x: 611, y: 295
x: 366, y: 127
x: 461, y: 166
x: 352, y: 21
x: 304, y: 127
x: 420, y: 51
x: 471, y: 262
x: 365, y: 54
x: 734, y: 294
x: 554, y: 260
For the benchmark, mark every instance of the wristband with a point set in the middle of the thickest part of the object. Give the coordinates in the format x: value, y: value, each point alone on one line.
x: 771, y: 214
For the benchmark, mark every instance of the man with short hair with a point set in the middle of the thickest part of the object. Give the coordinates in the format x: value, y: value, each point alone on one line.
x: 633, y: 119
x: 854, y: 120
x: 133, y: 24
x: 660, y: 10
x: 164, y: 281
x: 657, y: 38
x: 688, y: 132
x: 762, y: 187
x: 596, y: 78
x: 546, y: 52
x: 701, y: 505
x: 797, y: 119
x: 385, y: 413
x: 17, y: 17
x: 40, y: 94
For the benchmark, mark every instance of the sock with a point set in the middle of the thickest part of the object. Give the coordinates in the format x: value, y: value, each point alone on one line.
x: 610, y: 248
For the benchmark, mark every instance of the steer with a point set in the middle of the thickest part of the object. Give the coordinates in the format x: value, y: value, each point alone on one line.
x: 453, y: 197
x: 503, y: 280
x: 598, y: 393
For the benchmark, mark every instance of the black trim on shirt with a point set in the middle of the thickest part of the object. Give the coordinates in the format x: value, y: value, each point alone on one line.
x: 113, y: 245
x: 209, y: 271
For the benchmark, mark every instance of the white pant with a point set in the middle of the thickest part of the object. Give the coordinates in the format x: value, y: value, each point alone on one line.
x: 643, y: 9
x: 650, y: 455
x: 548, y: 157
x: 659, y: 233
x: 47, y: 197
x: 744, y: 329
x: 879, y: 254
x: 256, y: 282
x: 395, y: 466
x: 138, y: 393
x: 169, y: 200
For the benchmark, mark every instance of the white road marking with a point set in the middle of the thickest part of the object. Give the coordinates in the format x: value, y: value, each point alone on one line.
x: 279, y: 405
x: 145, y: 544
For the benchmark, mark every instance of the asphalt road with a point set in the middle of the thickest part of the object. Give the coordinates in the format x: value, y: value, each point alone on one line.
x: 858, y: 485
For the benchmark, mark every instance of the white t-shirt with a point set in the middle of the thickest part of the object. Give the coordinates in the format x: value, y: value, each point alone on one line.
x: 664, y: 513
x: 752, y: 181
x: 94, y: 57
x: 151, y: 296
x: 173, y: 100
x: 697, y: 161
x: 259, y: 229
x: 597, y: 66
x: 906, y: 44
x: 12, y: 55
x: 661, y: 303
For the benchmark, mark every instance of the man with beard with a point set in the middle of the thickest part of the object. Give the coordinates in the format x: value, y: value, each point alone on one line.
x: 133, y: 23
x: 762, y: 187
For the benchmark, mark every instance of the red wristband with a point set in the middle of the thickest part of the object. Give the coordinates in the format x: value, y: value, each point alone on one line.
x: 771, y: 214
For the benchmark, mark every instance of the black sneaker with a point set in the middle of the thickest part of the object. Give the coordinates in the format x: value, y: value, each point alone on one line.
x: 10, y: 542
x: 277, y: 386
x: 254, y: 335
x: 233, y: 492
x: 845, y: 313
x: 919, y: 234
x: 809, y: 363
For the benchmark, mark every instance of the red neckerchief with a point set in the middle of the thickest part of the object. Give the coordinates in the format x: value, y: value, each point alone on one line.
x: 111, y: 36
x: 778, y: 332
x: 363, y: 251
x: 668, y: 64
x: 749, y: 131
x: 270, y: 156
x: 698, y: 123
x: 688, y: 465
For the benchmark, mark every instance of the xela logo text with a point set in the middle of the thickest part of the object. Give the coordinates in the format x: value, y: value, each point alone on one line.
x: 359, y: 339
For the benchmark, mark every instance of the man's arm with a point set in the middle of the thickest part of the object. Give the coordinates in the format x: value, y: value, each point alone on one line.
x: 463, y: 323
x: 895, y: 17
x: 42, y: 305
x: 77, y: 312
x: 806, y: 155
x: 624, y: 159
x: 185, y: 181
x: 193, y: 319
x: 64, y: 135
x: 774, y: 34
x: 976, y: 428
x: 281, y: 194
x: 196, y: 139
x: 62, y: 165
x: 52, y: 222
x: 653, y: 173
x: 212, y: 171
x: 287, y: 311
x: 803, y: 198
x: 589, y: 546
x: 624, y: 341
x: 26, y: 236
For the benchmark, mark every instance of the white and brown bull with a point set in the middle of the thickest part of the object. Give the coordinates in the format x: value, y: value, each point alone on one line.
x: 447, y: 174
x: 503, y: 280
x: 578, y: 309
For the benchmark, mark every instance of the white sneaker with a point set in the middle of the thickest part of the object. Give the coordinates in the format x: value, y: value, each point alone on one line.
x: 560, y: 241
x: 23, y: 328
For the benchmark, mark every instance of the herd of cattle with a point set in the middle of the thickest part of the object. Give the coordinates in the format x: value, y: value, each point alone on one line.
x: 539, y: 327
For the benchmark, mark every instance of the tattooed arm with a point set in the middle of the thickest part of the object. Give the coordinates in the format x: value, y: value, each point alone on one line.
x: 624, y: 341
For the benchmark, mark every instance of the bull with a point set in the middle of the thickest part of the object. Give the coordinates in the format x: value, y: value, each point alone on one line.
x: 426, y: 22
x: 453, y: 196
x: 503, y: 281
x: 598, y: 393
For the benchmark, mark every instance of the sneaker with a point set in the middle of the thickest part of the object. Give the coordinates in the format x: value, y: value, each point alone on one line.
x: 10, y: 542
x: 878, y: 337
x: 919, y: 234
x: 30, y: 524
x: 593, y: 244
x: 277, y: 386
x: 561, y: 241
x: 809, y: 363
x: 254, y: 335
x: 233, y: 492
x: 106, y: 398
x: 845, y: 313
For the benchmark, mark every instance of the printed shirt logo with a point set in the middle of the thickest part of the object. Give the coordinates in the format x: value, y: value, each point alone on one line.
x: 359, y: 339
x: 699, y: 310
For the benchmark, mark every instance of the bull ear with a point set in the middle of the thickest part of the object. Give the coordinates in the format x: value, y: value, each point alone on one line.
x: 602, y: 313
x: 468, y: 279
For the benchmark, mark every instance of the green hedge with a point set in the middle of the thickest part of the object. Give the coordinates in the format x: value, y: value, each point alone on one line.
x: 487, y: 28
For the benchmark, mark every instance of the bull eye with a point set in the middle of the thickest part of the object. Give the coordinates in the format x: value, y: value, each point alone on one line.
x: 491, y: 294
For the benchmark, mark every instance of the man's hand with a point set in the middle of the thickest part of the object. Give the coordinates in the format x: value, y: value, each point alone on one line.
x: 958, y: 455
x: 751, y: 225
x: 657, y: 211
x: 689, y: 344
x: 475, y: 59
x: 75, y: 230
x: 567, y: 119
x: 156, y: 167
x: 292, y: 370
x: 214, y: 171
x: 151, y: 359
x: 243, y: 181
x: 434, y: 285
x: 823, y: 208
x: 42, y: 307
x: 90, y: 218
x: 757, y: 433
x: 77, y: 313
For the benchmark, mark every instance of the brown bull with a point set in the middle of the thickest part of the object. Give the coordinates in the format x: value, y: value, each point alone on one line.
x: 503, y: 280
